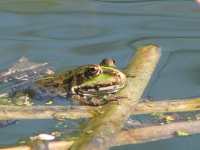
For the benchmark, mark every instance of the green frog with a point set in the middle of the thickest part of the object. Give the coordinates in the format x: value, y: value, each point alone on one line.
x: 93, y: 84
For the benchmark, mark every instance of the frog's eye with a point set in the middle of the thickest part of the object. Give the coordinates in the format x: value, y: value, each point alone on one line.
x: 93, y: 71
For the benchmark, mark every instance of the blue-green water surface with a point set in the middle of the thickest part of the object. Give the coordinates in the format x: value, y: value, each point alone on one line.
x: 68, y: 33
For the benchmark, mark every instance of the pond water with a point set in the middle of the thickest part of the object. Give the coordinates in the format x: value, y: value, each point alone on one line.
x: 68, y: 33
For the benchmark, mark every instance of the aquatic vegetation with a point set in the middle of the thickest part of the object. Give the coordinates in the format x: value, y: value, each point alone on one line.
x: 182, y: 133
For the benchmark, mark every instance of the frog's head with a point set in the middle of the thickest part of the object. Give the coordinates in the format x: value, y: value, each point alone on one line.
x: 100, y: 80
x: 86, y: 80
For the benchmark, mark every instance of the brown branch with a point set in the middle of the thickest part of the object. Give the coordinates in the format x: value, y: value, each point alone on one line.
x: 101, y: 129
x: 176, y: 105
x: 133, y: 136
x: 156, y: 132
x: 45, y: 112
x: 76, y: 112
x: 17, y: 148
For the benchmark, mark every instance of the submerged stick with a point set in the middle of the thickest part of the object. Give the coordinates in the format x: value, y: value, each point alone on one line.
x: 157, y: 132
x: 100, y: 130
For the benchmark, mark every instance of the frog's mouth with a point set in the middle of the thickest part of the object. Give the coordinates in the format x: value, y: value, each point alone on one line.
x: 98, y: 89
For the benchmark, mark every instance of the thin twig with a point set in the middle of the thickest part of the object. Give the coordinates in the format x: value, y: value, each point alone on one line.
x: 76, y: 112
x: 134, y: 136
x: 175, y: 105
x: 45, y: 112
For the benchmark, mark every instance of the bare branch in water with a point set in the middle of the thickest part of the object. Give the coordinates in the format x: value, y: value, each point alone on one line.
x: 175, y: 105
x: 75, y: 112
x: 45, y: 112
x: 157, y: 132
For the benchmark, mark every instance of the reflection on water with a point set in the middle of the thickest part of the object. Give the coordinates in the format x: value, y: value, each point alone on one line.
x: 70, y: 33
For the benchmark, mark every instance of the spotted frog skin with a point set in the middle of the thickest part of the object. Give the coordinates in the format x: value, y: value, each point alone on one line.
x: 92, y: 84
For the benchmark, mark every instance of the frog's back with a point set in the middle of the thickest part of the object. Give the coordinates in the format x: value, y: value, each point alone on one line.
x: 59, y: 81
x: 65, y: 81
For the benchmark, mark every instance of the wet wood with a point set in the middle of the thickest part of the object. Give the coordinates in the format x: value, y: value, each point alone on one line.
x: 77, y: 112
x: 134, y: 136
x: 17, y: 148
x: 175, y: 105
x: 55, y: 145
x: 45, y: 112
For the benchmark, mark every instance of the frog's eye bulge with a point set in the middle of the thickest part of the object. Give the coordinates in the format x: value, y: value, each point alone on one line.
x: 108, y: 62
